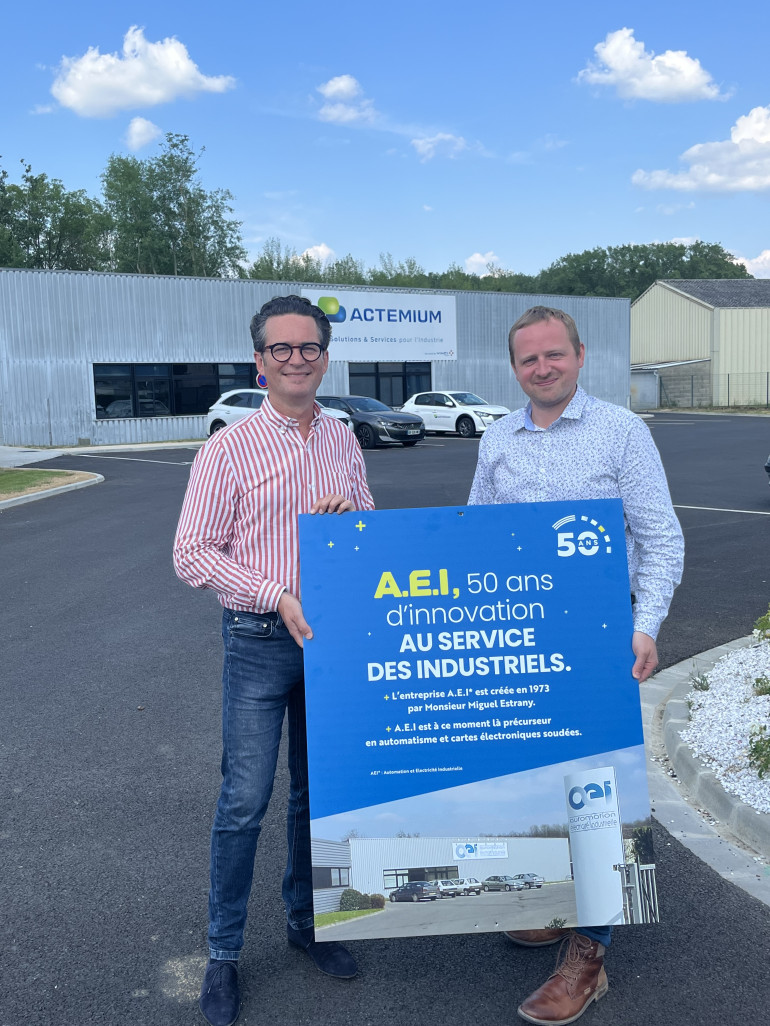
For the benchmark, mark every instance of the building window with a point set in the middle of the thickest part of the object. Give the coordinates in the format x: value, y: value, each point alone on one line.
x: 391, y: 383
x: 165, y: 390
x: 330, y: 876
x: 394, y: 878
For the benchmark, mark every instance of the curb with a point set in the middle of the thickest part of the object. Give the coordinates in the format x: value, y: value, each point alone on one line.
x: 45, y: 492
x: 748, y: 825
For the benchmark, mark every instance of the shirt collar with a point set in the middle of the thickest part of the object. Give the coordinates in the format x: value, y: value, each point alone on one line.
x: 280, y: 421
x: 573, y: 411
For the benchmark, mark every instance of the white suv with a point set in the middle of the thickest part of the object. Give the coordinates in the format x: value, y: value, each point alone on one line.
x: 242, y: 401
x: 462, y: 412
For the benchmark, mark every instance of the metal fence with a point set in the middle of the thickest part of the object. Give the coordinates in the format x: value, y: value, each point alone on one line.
x: 750, y: 389
x: 640, y: 895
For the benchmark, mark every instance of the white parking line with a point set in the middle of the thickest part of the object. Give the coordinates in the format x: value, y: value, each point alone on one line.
x: 133, y: 459
x: 720, y: 509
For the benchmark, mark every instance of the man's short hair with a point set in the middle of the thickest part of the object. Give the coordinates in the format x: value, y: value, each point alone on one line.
x: 545, y: 313
x: 280, y: 305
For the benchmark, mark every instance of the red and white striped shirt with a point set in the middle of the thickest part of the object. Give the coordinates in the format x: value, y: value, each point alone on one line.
x: 238, y: 530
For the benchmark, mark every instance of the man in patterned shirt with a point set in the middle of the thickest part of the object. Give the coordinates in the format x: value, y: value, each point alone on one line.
x: 568, y: 445
x: 238, y: 534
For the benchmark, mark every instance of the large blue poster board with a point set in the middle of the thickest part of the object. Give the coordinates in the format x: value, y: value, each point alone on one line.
x: 464, y: 660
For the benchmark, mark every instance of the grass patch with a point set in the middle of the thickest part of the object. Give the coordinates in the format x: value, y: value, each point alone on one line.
x: 330, y: 918
x: 15, y: 481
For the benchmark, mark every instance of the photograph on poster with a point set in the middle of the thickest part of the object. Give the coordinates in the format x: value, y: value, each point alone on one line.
x: 474, y: 731
x: 513, y: 827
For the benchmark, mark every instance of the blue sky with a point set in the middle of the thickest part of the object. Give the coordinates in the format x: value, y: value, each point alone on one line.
x: 506, y: 133
x: 514, y: 802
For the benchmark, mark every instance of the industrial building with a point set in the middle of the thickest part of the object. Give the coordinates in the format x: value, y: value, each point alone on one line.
x: 702, y: 342
x: 96, y: 359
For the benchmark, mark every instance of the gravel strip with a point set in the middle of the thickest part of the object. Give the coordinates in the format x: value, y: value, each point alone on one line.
x: 723, y: 717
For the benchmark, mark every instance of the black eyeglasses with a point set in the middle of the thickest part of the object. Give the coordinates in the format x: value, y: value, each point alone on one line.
x: 281, y: 351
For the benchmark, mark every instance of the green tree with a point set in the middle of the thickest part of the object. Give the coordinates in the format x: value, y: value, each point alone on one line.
x: 44, y: 225
x: 163, y: 220
x: 627, y: 271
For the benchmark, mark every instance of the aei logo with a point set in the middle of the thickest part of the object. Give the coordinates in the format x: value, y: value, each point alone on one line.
x: 579, y: 797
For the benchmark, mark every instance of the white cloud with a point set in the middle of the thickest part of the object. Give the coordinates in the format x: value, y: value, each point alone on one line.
x: 99, y: 85
x: 637, y: 74
x: 322, y: 253
x: 342, y: 88
x: 441, y: 144
x: 346, y: 103
x: 738, y: 164
x: 759, y: 266
x: 426, y: 208
x: 140, y: 133
x: 479, y: 263
x: 43, y: 108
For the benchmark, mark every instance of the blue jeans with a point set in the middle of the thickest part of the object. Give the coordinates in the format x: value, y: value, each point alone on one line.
x: 603, y: 934
x: 262, y: 677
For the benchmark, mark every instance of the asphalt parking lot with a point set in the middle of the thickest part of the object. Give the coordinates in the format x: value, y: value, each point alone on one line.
x: 110, y: 769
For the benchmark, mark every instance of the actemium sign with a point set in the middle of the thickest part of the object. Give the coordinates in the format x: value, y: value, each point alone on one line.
x: 370, y: 327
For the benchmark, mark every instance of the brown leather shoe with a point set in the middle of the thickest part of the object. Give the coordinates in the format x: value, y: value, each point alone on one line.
x: 577, y: 981
x: 535, y: 938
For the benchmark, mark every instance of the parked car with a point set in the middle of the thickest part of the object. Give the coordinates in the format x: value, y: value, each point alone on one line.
x: 462, y: 412
x: 374, y: 422
x: 416, y: 890
x: 125, y: 408
x: 767, y: 468
x: 240, y: 402
x: 530, y: 879
x: 469, y: 885
x: 447, y: 888
x: 502, y: 883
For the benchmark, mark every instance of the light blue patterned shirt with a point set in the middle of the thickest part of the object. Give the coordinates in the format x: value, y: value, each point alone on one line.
x: 595, y: 450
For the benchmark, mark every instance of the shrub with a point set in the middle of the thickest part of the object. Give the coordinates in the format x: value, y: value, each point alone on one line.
x: 700, y: 681
x: 762, y: 685
x: 762, y: 627
x: 759, y: 751
x: 351, y: 900
x: 377, y: 900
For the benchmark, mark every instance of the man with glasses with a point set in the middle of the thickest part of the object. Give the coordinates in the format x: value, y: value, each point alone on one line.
x: 238, y: 534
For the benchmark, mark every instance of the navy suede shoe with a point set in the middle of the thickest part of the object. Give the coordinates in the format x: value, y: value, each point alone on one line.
x: 330, y: 957
x: 220, y: 999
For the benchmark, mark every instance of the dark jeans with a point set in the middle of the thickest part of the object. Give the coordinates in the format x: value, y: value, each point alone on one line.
x: 262, y: 677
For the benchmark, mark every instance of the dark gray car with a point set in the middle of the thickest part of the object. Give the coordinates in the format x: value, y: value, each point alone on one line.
x: 375, y: 423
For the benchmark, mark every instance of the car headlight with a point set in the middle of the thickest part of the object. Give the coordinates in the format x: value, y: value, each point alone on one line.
x: 484, y: 415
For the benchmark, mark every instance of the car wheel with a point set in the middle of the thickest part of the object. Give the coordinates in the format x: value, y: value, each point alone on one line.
x: 486, y: 888
x: 415, y: 898
x: 413, y: 442
x: 365, y: 436
x: 507, y: 887
x: 465, y: 427
x: 433, y: 897
x: 216, y: 426
x: 392, y: 897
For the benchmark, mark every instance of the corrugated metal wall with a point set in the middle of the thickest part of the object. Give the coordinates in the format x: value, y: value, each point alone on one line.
x: 744, y: 340
x: 667, y: 326
x: 54, y: 325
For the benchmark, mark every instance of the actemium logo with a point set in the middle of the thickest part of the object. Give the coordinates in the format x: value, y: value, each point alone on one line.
x: 331, y: 307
